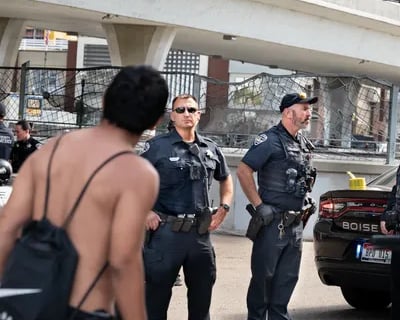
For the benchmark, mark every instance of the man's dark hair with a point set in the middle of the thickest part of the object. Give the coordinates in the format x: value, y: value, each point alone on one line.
x: 135, y: 99
x: 24, y: 125
x: 183, y: 96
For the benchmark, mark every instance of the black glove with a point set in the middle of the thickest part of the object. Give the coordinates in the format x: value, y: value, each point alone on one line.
x: 310, y: 205
x: 309, y: 208
x: 392, y: 220
x: 266, y: 212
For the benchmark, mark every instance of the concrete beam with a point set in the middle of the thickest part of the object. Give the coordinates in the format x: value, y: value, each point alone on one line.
x: 303, y: 35
x: 321, y: 29
x: 138, y: 44
x: 11, y: 31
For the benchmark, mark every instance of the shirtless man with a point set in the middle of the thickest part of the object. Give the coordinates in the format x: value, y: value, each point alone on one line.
x: 109, y: 222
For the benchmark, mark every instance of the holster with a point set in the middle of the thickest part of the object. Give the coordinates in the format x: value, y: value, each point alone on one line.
x: 177, y: 224
x: 203, y: 222
x: 291, y: 217
x: 188, y: 222
x: 255, y: 224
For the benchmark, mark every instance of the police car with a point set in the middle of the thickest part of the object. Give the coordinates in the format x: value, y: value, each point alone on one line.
x: 344, y: 255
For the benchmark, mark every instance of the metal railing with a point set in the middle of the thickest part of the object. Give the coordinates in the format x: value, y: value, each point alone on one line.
x: 41, y: 45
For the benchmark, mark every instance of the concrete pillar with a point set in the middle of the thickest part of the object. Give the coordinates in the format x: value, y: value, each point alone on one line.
x: 217, y: 95
x: 138, y: 44
x: 11, y: 32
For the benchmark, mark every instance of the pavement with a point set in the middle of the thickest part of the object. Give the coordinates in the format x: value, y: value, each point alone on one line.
x: 311, y: 299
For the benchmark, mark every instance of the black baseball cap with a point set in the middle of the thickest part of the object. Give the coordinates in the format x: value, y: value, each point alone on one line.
x: 292, y: 98
x: 2, y: 110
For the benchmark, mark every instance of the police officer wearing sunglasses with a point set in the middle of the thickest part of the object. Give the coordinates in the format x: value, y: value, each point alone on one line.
x: 179, y: 225
x: 281, y: 158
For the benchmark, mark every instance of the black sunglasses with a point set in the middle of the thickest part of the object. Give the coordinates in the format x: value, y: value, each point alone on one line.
x: 182, y: 109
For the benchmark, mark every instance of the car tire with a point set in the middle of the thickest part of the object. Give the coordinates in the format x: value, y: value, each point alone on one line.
x: 365, y: 299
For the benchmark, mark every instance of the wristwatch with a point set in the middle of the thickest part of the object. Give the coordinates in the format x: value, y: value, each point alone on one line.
x: 225, y: 206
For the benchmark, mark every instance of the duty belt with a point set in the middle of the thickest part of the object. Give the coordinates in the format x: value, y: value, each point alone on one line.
x: 171, y: 219
x: 185, y: 222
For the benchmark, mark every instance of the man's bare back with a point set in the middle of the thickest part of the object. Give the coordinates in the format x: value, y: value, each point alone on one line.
x: 127, y: 185
x: 108, y: 224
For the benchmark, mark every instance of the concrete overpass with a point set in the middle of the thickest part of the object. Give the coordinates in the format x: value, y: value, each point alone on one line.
x: 359, y: 37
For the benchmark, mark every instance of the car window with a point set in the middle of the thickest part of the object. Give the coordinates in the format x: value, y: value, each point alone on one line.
x: 388, y: 178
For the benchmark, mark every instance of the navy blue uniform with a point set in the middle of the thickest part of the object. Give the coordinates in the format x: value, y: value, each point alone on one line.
x: 283, y: 171
x: 6, y: 141
x: 21, y: 151
x: 393, y: 208
x: 184, y: 188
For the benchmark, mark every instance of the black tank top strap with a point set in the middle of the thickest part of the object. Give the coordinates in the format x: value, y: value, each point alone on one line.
x: 78, y: 200
x: 46, y: 199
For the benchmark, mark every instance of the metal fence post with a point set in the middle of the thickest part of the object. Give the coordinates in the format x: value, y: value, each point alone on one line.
x: 196, y: 87
x: 22, y: 89
x: 80, y: 106
x: 391, y: 149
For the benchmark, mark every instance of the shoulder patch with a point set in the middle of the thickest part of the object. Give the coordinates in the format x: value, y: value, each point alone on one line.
x: 260, y: 139
x: 146, y: 147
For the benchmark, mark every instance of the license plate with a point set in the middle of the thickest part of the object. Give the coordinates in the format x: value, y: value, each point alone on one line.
x: 373, y: 254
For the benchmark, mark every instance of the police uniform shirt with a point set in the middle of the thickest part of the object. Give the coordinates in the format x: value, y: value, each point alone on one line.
x: 269, y: 158
x: 182, y: 183
x: 21, y: 151
x: 6, y: 141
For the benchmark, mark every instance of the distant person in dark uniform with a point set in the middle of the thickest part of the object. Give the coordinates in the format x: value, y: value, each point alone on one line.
x: 390, y: 224
x: 281, y: 156
x: 182, y: 217
x: 24, y: 146
x: 6, y: 136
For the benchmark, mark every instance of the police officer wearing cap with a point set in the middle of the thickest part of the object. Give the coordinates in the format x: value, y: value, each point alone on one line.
x: 182, y: 217
x: 281, y: 157
x: 24, y: 146
x: 6, y: 136
x: 390, y: 225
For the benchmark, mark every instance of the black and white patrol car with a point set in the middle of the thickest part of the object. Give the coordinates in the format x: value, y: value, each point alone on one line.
x: 344, y: 255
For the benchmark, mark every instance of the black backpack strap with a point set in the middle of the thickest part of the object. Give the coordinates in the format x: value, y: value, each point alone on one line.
x: 46, y: 199
x: 68, y: 220
x: 77, y: 202
x: 96, y: 279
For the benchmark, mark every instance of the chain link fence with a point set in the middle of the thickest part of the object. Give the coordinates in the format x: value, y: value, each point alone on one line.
x: 350, y: 119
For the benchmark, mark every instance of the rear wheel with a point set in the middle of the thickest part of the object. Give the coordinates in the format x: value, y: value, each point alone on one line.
x: 366, y: 299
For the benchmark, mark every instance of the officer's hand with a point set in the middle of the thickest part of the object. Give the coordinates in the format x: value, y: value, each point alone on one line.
x: 384, y: 229
x: 152, y: 221
x: 265, y: 212
x: 217, y: 218
x: 309, y: 202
